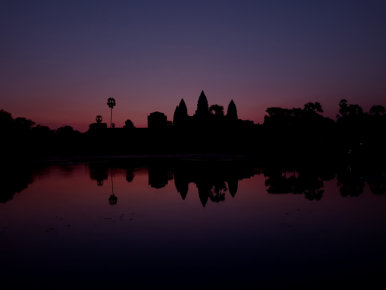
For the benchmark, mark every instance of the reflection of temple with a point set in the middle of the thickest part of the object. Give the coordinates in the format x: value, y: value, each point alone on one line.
x: 212, y: 180
x: 98, y: 172
x: 159, y: 176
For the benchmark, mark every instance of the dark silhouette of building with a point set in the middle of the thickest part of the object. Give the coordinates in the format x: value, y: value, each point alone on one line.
x: 180, y: 116
x: 202, y: 111
x: 157, y: 120
x: 98, y: 125
x: 217, y: 112
x: 232, y: 111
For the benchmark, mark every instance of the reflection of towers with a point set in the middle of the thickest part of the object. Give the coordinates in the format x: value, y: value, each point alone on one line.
x: 233, y: 184
x: 112, y: 199
x: 203, y: 191
x: 129, y: 174
x: 217, y: 192
x: 182, y: 184
x: 212, y: 181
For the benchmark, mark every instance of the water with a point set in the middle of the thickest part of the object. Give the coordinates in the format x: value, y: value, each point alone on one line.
x: 191, y: 226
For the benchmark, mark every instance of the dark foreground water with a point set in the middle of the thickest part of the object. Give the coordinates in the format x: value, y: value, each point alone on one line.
x: 191, y: 227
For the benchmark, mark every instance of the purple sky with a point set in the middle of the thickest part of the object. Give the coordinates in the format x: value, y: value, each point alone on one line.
x: 60, y: 60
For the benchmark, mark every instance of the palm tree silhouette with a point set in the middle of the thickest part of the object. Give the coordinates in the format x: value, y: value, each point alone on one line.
x: 111, y: 103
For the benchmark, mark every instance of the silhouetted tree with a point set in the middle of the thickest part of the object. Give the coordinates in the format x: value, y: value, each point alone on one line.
x: 349, y: 110
x: 65, y: 131
x: 377, y: 111
x: 353, y: 129
x: 23, y: 124
x: 128, y: 124
x: 5, y: 118
x: 111, y: 104
x: 42, y: 132
x: 313, y: 107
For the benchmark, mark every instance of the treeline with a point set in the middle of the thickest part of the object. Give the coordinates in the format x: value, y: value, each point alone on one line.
x: 22, y: 138
x: 286, y: 134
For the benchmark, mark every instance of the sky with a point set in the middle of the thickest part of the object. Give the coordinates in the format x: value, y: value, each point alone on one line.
x: 61, y: 60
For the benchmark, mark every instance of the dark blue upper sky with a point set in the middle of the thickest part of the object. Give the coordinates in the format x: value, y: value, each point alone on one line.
x: 60, y: 59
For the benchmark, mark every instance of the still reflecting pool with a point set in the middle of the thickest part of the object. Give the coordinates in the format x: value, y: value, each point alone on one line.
x: 191, y: 225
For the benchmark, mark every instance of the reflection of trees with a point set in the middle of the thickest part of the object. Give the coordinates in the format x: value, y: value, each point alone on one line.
x: 305, y: 182
x: 217, y: 192
x: 377, y: 184
x: 14, y: 180
x: 350, y: 182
